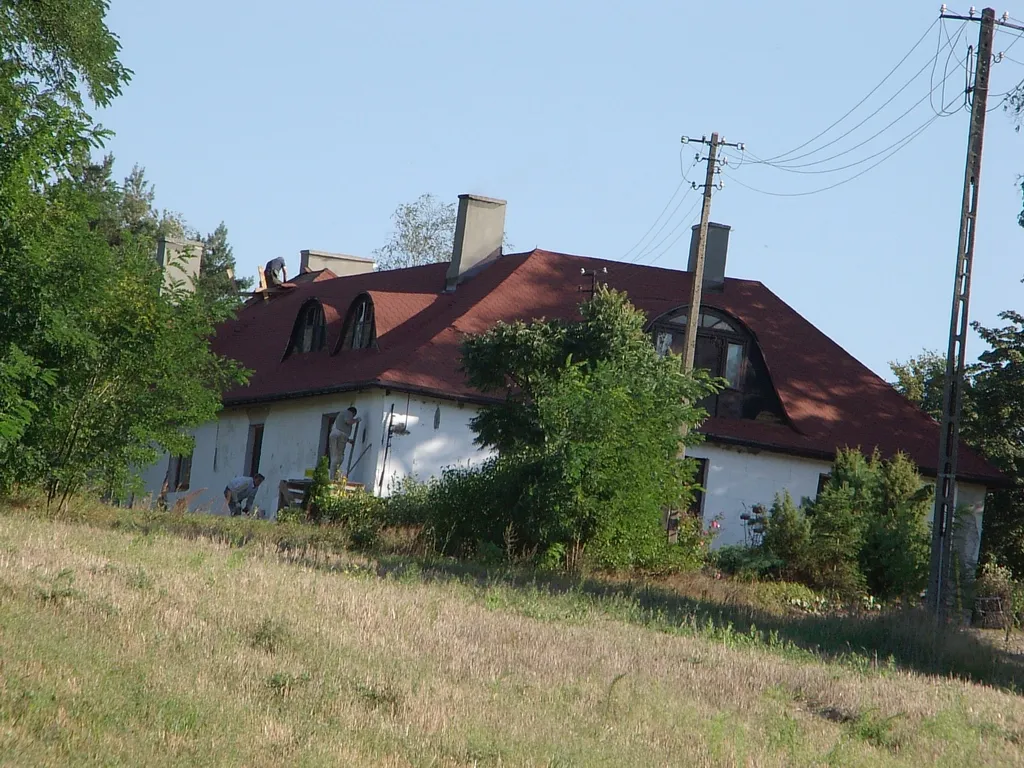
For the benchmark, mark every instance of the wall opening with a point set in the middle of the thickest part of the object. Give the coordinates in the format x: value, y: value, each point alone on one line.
x: 253, y: 450
x: 326, y: 423
x: 179, y: 473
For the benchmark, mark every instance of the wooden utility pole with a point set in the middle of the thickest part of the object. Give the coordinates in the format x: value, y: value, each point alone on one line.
x: 693, y: 316
x: 940, y: 576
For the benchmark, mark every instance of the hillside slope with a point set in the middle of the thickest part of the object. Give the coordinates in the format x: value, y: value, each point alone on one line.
x: 120, y: 648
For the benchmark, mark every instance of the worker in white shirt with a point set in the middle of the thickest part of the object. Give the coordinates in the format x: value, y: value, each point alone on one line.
x: 341, y: 435
x: 241, y: 492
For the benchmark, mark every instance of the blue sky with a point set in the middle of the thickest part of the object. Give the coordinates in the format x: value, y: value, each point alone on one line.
x: 304, y: 124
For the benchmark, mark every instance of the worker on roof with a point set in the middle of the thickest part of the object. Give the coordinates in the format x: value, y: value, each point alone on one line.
x: 275, y: 272
x: 241, y: 492
x: 341, y: 435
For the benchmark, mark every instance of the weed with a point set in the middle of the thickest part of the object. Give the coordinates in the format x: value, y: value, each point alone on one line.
x: 270, y: 635
x: 380, y: 696
x: 878, y: 731
x: 283, y: 683
x: 137, y: 578
x: 59, y: 589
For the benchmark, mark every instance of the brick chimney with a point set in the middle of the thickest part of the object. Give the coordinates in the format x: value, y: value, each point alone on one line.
x: 479, y: 232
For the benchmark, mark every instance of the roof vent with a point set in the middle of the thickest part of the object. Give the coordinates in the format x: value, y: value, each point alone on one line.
x: 479, y: 232
x: 714, y: 254
x: 340, y: 264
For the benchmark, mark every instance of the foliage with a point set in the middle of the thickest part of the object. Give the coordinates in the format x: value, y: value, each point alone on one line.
x: 787, y: 536
x: 217, y: 278
x: 747, y: 562
x: 866, y: 531
x: 895, y: 552
x: 100, y: 367
x: 424, y: 233
x: 359, y: 512
x: 588, y: 434
x: 409, y: 502
x: 992, y: 422
x: 997, y: 581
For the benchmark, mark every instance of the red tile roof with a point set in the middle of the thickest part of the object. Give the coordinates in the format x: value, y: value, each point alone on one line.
x: 829, y: 398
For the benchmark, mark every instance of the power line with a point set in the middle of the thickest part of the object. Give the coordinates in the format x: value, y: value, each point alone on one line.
x: 797, y: 168
x: 682, y: 181
x: 676, y: 239
x: 651, y: 246
x: 903, y: 144
x: 859, y: 103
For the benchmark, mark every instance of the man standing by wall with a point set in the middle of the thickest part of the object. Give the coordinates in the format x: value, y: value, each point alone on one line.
x: 341, y: 435
x: 241, y: 492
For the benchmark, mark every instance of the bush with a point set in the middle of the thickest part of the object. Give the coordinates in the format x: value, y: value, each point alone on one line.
x: 359, y: 512
x: 409, y: 502
x: 997, y: 581
x: 787, y: 537
x: 750, y: 563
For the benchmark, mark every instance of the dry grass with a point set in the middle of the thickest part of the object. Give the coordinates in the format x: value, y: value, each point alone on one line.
x: 119, y: 648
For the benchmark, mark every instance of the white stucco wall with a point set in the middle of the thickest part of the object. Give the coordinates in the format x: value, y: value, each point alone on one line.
x: 426, y: 449
x: 739, y: 478
x: 968, y: 531
x: 291, y: 440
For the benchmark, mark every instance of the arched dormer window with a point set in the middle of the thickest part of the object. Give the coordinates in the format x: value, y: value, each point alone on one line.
x: 359, y: 331
x: 727, y: 350
x: 310, y: 331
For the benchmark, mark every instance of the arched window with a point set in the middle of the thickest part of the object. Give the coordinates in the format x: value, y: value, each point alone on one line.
x: 726, y: 350
x: 310, y: 331
x: 359, y: 331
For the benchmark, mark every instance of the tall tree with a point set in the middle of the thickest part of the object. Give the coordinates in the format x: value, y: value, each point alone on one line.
x: 217, y: 275
x: 424, y: 232
x: 100, y: 365
x: 992, y: 421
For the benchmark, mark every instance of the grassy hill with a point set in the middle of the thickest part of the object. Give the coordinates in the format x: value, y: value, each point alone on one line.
x: 133, y: 646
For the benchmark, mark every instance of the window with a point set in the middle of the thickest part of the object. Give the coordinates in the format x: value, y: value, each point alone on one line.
x: 179, y: 472
x: 823, y: 480
x: 359, y: 331
x: 326, y: 423
x: 726, y: 350
x: 700, y: 477
x: 310, y: 332
x: 253, y: 450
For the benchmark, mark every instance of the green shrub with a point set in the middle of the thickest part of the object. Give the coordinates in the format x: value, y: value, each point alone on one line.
x: 409, y: 502
x: 835, y: 541
x: 787, y: 536
x: 997, y: 581
x: 747, y: 562
x: 359, y: 512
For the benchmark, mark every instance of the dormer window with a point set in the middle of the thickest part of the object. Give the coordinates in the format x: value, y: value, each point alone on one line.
x: 310, y: 332
x: 725, y: 349
x: 359, y: 331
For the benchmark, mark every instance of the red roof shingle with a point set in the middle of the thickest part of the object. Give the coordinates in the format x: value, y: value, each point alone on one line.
x: 829, y: 398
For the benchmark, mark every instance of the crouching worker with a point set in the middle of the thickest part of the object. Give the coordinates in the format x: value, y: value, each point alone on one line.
x: 241, y: 492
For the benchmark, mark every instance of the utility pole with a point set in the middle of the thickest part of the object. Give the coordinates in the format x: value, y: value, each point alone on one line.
x: 693, y: 316
x: 952, y: 397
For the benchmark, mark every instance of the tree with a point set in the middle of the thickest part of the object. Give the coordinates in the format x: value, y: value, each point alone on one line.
x: 424, y: 233
x: 921, y: 380
x: 217, y: 274
x: 101, y: 367
x: 588, y: 434
x: 992, y: 421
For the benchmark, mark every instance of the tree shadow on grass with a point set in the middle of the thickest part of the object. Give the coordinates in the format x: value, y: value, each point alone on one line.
x: 905, y: 639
